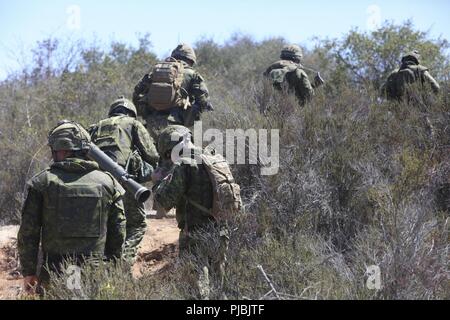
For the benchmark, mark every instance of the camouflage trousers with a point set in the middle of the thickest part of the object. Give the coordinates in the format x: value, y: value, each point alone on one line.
x: 136, y: 226
x: 210, y: 272
x: 157, y: 122
x: 164, y: 166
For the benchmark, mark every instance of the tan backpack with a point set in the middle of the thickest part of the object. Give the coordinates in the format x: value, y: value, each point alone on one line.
x: 165, y: 87
x: 227, y: 194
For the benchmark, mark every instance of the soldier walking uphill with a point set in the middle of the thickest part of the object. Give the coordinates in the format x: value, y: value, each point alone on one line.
x: 399, y: 84
x: 126, y: 141
x: 289, y: 75
x: 202, y: 189
x: 172, y: 93
x: 73, y: 210
x: 409, y: 83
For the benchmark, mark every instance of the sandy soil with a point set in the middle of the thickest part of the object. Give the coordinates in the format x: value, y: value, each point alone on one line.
x: 10, y: 280
x: 158, y: 249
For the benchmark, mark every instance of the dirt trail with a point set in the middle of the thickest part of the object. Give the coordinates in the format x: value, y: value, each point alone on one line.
x: 158, y: 248
x: 10, y: 279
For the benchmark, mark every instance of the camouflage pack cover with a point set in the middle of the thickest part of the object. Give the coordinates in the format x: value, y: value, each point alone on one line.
x: 165, y: 88
x: 278, y: 71
x: 227, y: 194
x: 398, y: 81
x: 113, y: 136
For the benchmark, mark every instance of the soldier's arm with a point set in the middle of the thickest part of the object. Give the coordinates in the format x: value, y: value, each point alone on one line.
x: 429, y: 79
x: 145, y: 144
x: 29, y: 236
x: 170, y: 191
x: 116, y: 233
x: 303, y: 86
x: 200, y: 92
x: 140, y: 89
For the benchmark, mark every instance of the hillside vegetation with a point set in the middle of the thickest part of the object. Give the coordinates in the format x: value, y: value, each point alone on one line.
x: 361, y: 182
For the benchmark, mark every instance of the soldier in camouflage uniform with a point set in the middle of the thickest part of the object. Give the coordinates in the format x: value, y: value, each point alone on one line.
x: 195, y: 100
x: 73, y: 210
x: 406, y: 84
x: 188, y: 188
x: 126, y: 141
x: 193, y: 88
x: 288, y: 74
x: 409, y: 73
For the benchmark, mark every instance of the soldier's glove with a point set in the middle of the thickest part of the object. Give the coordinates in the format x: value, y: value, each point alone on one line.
x: 209, y: 106
x: 318, y: 81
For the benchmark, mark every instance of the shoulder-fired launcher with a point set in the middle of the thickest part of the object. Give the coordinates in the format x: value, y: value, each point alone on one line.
x: 139, y: 192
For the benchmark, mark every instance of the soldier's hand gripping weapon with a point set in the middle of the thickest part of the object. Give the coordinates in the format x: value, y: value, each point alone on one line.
x: 318, y: 80
x: 139, y: 192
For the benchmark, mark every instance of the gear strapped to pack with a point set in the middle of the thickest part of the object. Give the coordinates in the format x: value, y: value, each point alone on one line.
x: 114, y: 140
x: 278, y: 72
x: 226, y: 193
x: 399, y: 80
x: 165, y: 89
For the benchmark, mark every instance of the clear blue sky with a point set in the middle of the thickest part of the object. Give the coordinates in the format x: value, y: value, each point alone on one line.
x: 26, y: 21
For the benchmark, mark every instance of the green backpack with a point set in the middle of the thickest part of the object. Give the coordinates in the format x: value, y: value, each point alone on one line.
x: 114, y: 139
x: 278, y: 72
x: 398, y: 81
x: 226, y: 192
x: 164, y: 90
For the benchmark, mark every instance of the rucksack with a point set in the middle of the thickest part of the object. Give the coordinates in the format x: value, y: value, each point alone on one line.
x: 114, y: 140
x: 278, y: 72
x: 226, y: 192
x: 399, y: 80
x: 165, y: 87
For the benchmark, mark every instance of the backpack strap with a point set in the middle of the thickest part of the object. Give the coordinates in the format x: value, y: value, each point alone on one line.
x: 195, y: 203
x: 198, y: 206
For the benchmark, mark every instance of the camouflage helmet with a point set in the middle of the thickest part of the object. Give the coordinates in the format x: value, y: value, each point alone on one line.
x: 291, y: 51
x: 68, y: 135
x: 412, y: 56
x: 170, y: 137
x: 122, y: 102
x: 184, y: 52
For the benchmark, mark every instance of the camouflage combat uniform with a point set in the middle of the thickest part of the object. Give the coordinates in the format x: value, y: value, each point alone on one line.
x: 407, y: 84
x: 127, y: 142
x: 73, y: 210
x: 193, y: 84
x: 294, y: 75
x: 188, y: 187
x: 396, y: 87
